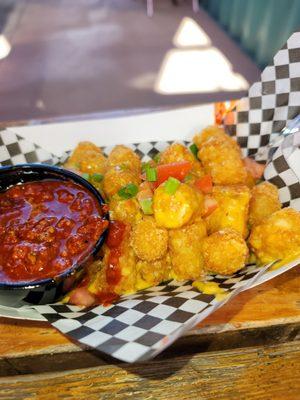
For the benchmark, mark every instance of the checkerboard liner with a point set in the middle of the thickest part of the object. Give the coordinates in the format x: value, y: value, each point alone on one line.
x: 140, y: 326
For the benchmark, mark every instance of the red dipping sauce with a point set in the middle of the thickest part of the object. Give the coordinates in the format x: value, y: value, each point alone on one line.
x: 46, y: 227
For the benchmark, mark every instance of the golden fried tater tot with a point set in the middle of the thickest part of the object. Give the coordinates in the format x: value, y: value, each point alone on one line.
x: 277, y: 237
x: 214, y: 131
x: 186, y: 250
x: 174, y: 210
x: 177, y: 152
x: 222, y: 160
x: 151, y: 273
x: 116, y: 178
x: 225, y: 252
x: 127, y: 263
x: 127, y: 211
x: 264, y: 201
x: 87, y: 158
x: 125, y: 158
x: 148, y: 241
x: 232, y: 210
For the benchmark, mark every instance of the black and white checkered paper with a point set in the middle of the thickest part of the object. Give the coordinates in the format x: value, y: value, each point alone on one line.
x: 140, y: 326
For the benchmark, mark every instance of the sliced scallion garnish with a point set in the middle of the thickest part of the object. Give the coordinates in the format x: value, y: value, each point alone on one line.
x: 171, y: 185
x: 194, y: 150
x: 146, y: 206
x: 128, y: 191
x: 86, y: 176
x: 156, y: 158
x: 151, y: 174
x: 97, y: 177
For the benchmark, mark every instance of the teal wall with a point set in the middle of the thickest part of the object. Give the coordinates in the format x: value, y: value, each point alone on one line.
x: 260, y: 26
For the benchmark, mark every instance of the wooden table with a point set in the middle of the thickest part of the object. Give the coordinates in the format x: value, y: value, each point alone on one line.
x: 249, y: 349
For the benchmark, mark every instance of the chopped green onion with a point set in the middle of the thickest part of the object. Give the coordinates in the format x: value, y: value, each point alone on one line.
x: 156, y: 158
x: 123, y: 167
x: 146, y: 206
x: 86, y: 176
x: 171, y: 185
x: 128, y: 191
x: 151, y: 174
x: 194, y: 150
x: 97, y: 177
x: 145, y: 166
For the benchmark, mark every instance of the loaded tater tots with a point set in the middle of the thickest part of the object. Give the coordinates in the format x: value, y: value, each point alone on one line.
x: 186, y: 251
x: 264, y: 202
x: 277, y: 237
x: 116, y: 178
x: 221, y: 158
x: 127, y: 210
x: 173, y: 210
x: 232, y: 209
x: 182, y: 215
x: 149, y: 242
x: 87, y: 158
x: 151, y: 273
x: 125, y: 158
x: 214, y: 132
x: 224, y: 252
x: 177, y: 152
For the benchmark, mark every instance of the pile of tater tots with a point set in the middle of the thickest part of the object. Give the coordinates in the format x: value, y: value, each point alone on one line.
x: 189, y: 212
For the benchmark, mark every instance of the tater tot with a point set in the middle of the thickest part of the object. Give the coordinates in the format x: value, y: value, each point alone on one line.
x: 264, y: 201
x: 127, y: 211
x: 148, y: 241
x: 222, y: 160
x: 213, y: 131
x: 151, y: 273
x: 174, y: 210
x: 127, y: 267
x: 177, y: 152
x: 127, y: 263
x: 186, y: 251
x: 224, y: 252
x: 124, y: 157
x: 87, y: 158
x: 232, y: 210
x: 116, y: 178
x: 277, y: 237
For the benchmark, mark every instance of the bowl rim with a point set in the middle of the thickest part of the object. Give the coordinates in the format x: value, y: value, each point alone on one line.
x: 67, y: 174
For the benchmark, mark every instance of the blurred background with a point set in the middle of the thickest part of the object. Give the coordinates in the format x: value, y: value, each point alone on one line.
x: 70, y: 57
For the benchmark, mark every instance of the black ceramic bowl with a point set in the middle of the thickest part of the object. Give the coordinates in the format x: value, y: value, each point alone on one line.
x: 51, y: 289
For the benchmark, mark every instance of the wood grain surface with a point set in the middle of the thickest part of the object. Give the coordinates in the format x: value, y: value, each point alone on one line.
x: 261, y: 373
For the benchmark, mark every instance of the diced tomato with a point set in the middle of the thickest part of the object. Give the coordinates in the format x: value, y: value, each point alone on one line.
x: 210, y: 204
x: 82, y: 297
x: 205, y: 184
x: 115, y: 233
x: 178, y: 170
x: 256, y: 169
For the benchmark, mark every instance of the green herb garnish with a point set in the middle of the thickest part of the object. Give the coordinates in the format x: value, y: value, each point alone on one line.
x: 86, y: 176
x: 171, y: 185
x: 128, y: 191
x: 146, y: 206
x: 194, y: 150
x: 156, y: 158
x: 97, y: 177
x: 151, y: 174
